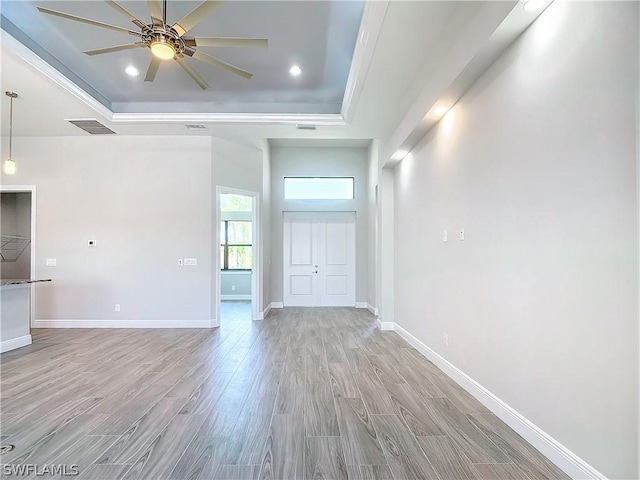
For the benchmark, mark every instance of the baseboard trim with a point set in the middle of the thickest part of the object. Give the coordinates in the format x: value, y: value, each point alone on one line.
x: 361, y: 304
x: 266, y: 312
x: 14, y: 343
x: 372, y: 309
x: 235, y: 297
x: 207, y: 323
x: 386, y: 325
x: 277, y: 305
x: 560, y: 455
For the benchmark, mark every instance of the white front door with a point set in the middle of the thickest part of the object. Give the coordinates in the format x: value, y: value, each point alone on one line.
x: 319, y: 259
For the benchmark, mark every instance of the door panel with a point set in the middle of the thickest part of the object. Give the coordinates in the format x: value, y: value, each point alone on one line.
x: 301, y: 284
x: 319, y: 259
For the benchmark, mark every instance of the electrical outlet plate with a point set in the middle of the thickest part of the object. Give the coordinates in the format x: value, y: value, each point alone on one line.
x: 180, y: 262
x: 445, y: 236
x: 461, y: 233
x: 51, y: 262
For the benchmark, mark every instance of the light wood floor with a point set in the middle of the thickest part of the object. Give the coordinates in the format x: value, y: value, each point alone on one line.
x: 307, y: 393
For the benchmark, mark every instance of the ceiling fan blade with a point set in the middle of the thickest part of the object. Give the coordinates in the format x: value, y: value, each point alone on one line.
x: 230, y: 42
x: 156, y: 12
x: 198, y: 14
x: 192, y: 73
x: 126, y: 13
x: 116, y: 48
x: 153, y: 69
x: 224, y: 65
x: 86, y: 20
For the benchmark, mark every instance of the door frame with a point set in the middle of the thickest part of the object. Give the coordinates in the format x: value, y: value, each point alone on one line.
x: 256, y: 294
x: 32, y: 190
x: 319, y: 213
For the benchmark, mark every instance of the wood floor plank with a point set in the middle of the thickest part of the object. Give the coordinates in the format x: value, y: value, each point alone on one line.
x: 369, y: 472
x: 84, y: 452
x: 319, y: 411
x: 359, y: 438
x: 237, y: 472
x: 251, y: 432
x: 532, y: 462
x: 404, y: 455
x: 324, y: 459
x: 142, y: 433
x: 201, y: 459
x: 105, y: 472
x: 499, y: 471
x: 342, y: 382
x: 284, y: 454
x: 473, y: 443
x: 410, y: 406
x: 447, y: 459
x: 159, y: 458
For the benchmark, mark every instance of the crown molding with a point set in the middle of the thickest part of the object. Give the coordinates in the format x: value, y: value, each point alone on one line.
x: 230, y: 118
x: 370, y: 27
x: 24, y: 53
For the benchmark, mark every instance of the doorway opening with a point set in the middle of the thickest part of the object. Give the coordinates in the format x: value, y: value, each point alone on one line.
x: 18, y: 227
x: 237, y: 260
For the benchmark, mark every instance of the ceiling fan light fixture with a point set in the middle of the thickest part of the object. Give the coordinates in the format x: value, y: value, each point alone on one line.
x: 163, y: 50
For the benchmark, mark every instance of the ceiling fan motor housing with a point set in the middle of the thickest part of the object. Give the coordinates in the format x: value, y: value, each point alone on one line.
x: 156, y: 34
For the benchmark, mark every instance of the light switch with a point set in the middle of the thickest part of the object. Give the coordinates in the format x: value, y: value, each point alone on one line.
x: 445, y: 237
x: 461, y: 233
x: 51, y: 262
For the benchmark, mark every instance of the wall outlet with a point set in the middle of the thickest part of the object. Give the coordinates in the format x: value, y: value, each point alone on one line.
x: 51, y: 262
x: 117, y: 307
x: 461, y: 233
x: 233, y: 287
x: 445, y: 338
x: 180, y: 262
x: 190, y: 262
x: 445, y: 237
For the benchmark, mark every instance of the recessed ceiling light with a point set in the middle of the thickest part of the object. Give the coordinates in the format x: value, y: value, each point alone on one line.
x: 131, y: 71
x: 534, y: 5
x: 440, y: 110
x: 295, y: 70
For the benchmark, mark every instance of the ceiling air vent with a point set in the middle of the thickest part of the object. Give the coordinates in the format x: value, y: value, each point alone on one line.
x: 305, y: 126
x: 93, y: 127
x: 196, y: 127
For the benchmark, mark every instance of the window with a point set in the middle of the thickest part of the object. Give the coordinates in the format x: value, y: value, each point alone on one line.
x: 318, y: 188
x: 235, y: 245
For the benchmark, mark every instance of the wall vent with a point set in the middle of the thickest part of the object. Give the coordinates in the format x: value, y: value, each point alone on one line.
x: 305, y: 126
x: 93, y: 127
x: 196, y: 127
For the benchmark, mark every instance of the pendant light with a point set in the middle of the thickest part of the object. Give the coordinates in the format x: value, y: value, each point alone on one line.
x: 9, y: 166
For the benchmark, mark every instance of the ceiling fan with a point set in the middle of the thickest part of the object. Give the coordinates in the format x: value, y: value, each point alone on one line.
x: 168, y: 42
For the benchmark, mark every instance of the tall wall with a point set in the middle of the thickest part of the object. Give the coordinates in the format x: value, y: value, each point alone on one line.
x: 319, y: 161
x: 146, y: 201
x: 538, y: 162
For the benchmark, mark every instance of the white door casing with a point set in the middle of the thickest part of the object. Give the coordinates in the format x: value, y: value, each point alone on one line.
x: 319, y: 259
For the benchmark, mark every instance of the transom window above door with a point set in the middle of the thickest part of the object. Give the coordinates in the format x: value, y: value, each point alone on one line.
x: 318, y: 188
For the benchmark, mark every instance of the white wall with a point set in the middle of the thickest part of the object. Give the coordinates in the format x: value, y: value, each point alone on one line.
x: 145, y: 200
x: 319, y: 161
x: 538, y: 162
x: 16, y: 220
x: 265, y: 225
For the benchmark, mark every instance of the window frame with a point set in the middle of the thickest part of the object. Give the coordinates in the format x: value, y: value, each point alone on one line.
x: 319, y: 177
x: 226, y: 245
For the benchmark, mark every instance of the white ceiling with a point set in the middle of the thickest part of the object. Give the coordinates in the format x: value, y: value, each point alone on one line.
x: 418, y: 52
